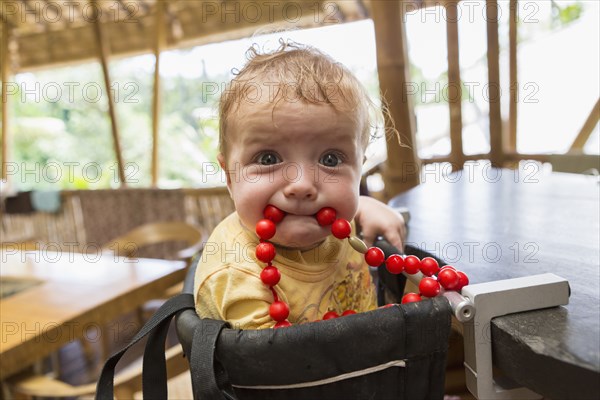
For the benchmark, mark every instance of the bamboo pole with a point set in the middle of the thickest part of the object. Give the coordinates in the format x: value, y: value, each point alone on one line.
x: 493, y: 56
x: 102, y: 46
x: 514, y: 84
x: 158, y: 45
x: 401, y: 171
x: 5, y: 98
x: 457, y: 158
x: 586, y: 129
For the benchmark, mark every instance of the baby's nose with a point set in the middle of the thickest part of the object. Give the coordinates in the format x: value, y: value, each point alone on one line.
x: 301, y: 187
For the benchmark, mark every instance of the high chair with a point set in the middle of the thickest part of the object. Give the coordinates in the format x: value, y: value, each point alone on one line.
x: 395, y: 352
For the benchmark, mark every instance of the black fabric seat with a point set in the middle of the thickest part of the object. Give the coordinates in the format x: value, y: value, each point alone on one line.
x: 397, y: 352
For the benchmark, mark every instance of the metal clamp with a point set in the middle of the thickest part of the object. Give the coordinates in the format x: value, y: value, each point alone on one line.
x: 476, y: 307
x: 494, y: 299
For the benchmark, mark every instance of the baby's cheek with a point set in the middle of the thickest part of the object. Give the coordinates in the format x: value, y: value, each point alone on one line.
x: 347, y: 209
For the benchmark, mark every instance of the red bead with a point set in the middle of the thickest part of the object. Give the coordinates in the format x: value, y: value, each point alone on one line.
x: 273, y: 213
x: 429, y: 287
x: 395, y: 264
x: 265, y: 252
x: 348, y: 312
x: 326, y: 216
x: 282, y: 324
x: 265, y: 229
x: 410, y: 298
x: 341, y: 228
x: 279, y: 311
x: 374, y: 256
x: 448, y: 266
x: 330, y: 315
x: 448, y: 278
x: 270, y: 276
x: 463, y: 280
x: 412, y: 264
x: 429, y: 266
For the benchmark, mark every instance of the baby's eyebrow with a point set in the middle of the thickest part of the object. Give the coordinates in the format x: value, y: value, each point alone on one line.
x: 259, y: 137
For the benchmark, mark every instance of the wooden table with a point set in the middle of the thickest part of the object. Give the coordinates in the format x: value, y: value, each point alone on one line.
x: 74, y: 292
x: 501, y: 224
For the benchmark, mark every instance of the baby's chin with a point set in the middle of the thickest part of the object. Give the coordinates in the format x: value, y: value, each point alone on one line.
x: 300, y: 237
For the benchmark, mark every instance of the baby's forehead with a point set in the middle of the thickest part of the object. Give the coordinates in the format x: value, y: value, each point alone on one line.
x: 270, y: 89
x: 277, y: 114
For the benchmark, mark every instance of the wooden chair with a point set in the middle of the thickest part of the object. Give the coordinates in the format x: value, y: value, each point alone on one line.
x: 159, y: 232
x: 128, y: 245
x: 127, y: 382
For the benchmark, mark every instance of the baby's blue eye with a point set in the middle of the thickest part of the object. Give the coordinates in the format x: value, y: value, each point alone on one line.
x: 268, y: 159
x: 330, y: 160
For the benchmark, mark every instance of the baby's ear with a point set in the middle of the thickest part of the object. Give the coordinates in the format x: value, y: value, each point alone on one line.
x: 221, y: 160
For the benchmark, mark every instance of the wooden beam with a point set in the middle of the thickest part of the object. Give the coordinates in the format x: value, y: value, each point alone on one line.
x: 514, y: 84
x: 103, y: 54
x: 201, y: 23
x: 158, y: 45
x: 401, y: 171
x: 514, y: 156
x: 5, y: 56
x: 454, y: 88
x: 493, y: 56
x: 586, y: 129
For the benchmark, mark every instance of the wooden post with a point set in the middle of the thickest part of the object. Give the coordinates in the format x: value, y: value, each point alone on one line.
x: 493, y: 55
x: 457, y: 158
x: 103, y: 53
x: 586, y: 129
x: 514, y: 84
x: 401, y: 171
x: 158, y: 45
x: 5, y: 98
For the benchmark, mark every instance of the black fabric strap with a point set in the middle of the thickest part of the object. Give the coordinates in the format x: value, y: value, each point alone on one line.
x: 157, y: 326
x: 154, y: 370
x: 202, y: 360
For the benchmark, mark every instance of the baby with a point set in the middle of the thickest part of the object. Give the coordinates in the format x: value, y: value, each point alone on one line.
x: 294, y: 125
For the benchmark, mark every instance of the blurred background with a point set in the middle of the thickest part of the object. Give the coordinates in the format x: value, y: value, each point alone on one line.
x: 58, y: 107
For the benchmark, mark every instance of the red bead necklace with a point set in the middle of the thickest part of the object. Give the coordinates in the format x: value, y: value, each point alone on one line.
x: 430, y: 286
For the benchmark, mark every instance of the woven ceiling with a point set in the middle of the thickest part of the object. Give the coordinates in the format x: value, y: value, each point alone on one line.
x: 45, y: 33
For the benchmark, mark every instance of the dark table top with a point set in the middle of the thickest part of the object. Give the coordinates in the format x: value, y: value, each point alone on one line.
x: 502, y: 224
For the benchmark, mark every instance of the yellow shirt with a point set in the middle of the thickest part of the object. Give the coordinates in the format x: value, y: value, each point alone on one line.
x: 330, y: 277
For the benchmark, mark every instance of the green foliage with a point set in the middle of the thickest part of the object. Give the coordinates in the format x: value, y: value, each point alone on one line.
x: 72, y: 130
x: 563, y: 16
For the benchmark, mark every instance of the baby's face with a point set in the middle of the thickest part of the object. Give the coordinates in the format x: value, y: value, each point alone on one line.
x: 300, y: 158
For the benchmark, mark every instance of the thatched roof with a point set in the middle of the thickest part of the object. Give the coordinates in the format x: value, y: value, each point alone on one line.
x: 45, y: 32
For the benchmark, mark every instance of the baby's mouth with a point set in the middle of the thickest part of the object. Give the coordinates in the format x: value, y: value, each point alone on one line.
x: 300, y: 214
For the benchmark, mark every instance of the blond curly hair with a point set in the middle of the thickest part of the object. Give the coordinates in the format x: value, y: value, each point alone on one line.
x: 295, y: 72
